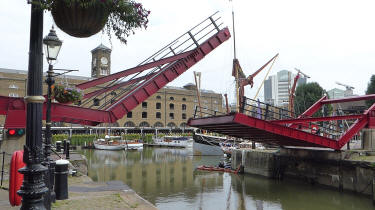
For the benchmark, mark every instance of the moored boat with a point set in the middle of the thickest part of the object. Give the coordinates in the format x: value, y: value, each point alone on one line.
x: 132, y: 145
x: 174, y: 141
x: 109, y: 143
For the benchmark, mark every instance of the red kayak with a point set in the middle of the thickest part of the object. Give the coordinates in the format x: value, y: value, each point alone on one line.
x: 213, y: 168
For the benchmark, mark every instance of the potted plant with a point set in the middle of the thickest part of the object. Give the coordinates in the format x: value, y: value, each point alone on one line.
x: 83, y: 18
x: 66, y: 94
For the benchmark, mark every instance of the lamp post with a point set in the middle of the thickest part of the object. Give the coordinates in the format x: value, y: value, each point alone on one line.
x: 52, y: 46
x: 33, y: 187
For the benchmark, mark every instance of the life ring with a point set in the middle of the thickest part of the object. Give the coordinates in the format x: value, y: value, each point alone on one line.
x: 15, y: 177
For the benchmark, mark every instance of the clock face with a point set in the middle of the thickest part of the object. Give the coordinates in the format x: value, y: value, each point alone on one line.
x: 104, y: 60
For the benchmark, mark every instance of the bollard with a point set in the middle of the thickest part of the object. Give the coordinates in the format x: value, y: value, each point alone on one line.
x: 58, y: 146
x: 61, y: 179
x: 64, y: 146
x: 67, y: 150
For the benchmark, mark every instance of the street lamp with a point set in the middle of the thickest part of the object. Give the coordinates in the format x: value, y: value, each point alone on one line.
x: 52, y: 45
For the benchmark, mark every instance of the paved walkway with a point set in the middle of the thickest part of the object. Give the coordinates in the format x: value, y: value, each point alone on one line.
x: 85, y: 194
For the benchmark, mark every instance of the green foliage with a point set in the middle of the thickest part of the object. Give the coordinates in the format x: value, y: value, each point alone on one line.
x: 306, y: 96
x: 124, y: 15
x: 81, y: 139
x: 371, y: 90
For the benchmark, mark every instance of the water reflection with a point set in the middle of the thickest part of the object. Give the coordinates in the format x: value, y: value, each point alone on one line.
x: 166, y: 178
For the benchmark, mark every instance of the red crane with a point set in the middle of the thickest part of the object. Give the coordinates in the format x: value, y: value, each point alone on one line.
x: 244, y: 81
x: 293, y: 89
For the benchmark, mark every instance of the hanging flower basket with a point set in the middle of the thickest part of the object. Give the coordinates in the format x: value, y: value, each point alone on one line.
x: 65, y: 94
x: 78, y: 20
x: 83, y: 18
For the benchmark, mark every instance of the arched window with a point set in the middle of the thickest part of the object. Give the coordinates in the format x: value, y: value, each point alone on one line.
x: 171, y: 125
x: 129, y: 124
x: 183, y: 106
x: 158, y: 125
x: 183, y: 125
x: 171, y: 106
x: 171, y: 98
x: 144, y: 124
x: 183, y: 99
x: 158, y: 97
x: 158, y: 105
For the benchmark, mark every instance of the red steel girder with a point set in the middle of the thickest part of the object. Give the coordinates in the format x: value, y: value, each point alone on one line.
x: 348, y: 99
x: 116, y: 86
x: 130, y: 71
x: 317, y: 119
x: 164, y: 76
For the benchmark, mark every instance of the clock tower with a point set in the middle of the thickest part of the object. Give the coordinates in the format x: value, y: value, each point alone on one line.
x: 101, y: 61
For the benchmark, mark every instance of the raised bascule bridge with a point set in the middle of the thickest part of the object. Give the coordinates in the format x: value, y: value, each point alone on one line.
x: 117, y: 94
x: 271, y: 125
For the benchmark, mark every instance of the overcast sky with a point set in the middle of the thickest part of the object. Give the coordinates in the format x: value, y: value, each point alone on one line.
x: 328, y: 40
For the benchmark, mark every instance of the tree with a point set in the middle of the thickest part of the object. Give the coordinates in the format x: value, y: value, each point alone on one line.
x: 306, y: 96
x: 371, y: 90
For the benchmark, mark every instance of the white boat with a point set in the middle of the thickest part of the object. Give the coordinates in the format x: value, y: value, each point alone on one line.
x: 109, y: 143
x: 174, y: 141
x: 132, y: 145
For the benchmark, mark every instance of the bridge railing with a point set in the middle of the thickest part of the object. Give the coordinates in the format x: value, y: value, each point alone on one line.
x: 265, y: 111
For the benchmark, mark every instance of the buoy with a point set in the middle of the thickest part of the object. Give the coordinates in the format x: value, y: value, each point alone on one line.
x: 15, y: 177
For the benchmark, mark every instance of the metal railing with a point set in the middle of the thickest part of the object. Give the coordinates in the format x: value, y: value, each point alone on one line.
x: 206, y: 112
x: 188, y: 41
x: 266, y: 111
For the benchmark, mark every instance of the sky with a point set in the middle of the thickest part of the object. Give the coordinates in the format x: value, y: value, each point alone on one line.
x: 328, y: 40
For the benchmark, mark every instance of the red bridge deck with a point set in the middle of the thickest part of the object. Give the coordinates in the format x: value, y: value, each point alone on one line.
x: 247, y: 127
x: 288, y: 132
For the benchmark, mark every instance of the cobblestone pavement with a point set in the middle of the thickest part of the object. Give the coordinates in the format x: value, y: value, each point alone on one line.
x: 85, y: 194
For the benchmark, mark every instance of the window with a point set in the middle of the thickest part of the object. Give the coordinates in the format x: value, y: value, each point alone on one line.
x: 144, y: 114
x: 183, y: 116
x: 183, y: 99
x: 158, y: 115
x: 171, y: 98
x: 96, y: 102
x: 129, y: 115
x: 144, y: 124
x: 13, y: 86
x: 158, y: 125
x: 129, y: 124
x: 158, y: 105
x: 215, y: 102
x: 158, y: 97
x: 13, y: 95
x: 171, y: 116
x: 183, y: 107
x: 144, y: 105
x: 103, y: 71
x: 171, y: 124
x: 171, y: 106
